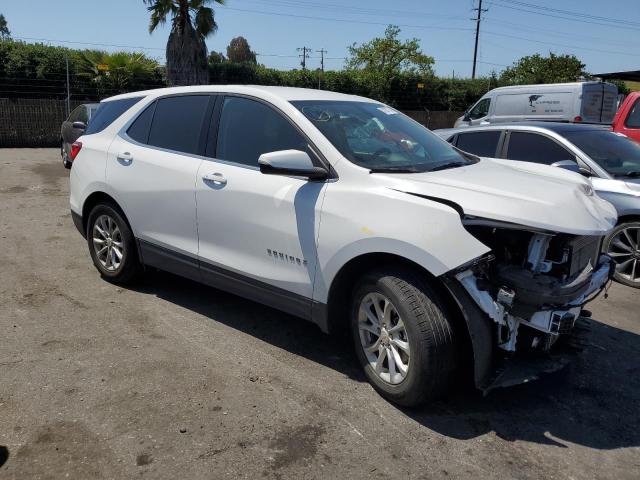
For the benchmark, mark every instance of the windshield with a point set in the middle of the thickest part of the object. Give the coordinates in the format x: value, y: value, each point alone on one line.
x: 380, y: 138
x: 617, y: 154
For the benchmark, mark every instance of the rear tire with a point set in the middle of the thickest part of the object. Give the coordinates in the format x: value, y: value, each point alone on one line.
x: 623, y: 245
x: 65, y: 158
x: 415, y: 333
x: 112, y: 244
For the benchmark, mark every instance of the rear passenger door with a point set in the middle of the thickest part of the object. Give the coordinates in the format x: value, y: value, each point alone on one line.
x: 535, y: 147
x: 152, y: 167
x: 483, y: 144
x: 257, y: 232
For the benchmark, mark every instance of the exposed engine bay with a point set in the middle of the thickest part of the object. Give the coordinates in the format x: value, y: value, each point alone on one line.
x: 534, y: 283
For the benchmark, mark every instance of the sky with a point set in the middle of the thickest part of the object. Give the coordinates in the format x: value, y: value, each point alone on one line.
x: 605, y: 35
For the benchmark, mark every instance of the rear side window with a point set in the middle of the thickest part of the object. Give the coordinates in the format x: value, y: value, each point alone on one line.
x: 483, y: 144
x: 249, y: 128
x: 532, y: 147
x: 633, y: 120
x: 108, y: 112
x: 177, y: 123
x: 139, y: 129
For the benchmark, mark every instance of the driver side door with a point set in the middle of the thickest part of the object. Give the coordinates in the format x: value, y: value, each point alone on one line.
x: 257, y: 233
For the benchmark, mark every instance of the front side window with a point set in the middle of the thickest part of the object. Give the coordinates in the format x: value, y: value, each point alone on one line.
x: 532, y: 147
x: 378, y: 137
x: 483, y: 144
x: 480, y: 109
x: 633, y: 120
x: 249, y: 128
x: 616, y: 153
x: 108, y: 112
x: 177, y: 123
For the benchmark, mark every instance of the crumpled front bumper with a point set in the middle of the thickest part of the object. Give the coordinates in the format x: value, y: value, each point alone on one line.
x: 497, y: 359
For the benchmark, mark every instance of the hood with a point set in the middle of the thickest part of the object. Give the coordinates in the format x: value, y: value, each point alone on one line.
x: 528, y: 194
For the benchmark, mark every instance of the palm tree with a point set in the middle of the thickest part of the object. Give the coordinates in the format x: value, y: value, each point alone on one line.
x: 192, y: 22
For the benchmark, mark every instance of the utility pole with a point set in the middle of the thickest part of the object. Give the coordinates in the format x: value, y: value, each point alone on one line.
x: 304, y: 55
x: 322, y: 51
x: 475, y: 50
x: 68, y: 88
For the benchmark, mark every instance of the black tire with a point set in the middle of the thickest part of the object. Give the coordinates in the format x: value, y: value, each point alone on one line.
x: 65, y: 158
x: 129, y: 267
x: 607, y: 247
x: 429, y: 333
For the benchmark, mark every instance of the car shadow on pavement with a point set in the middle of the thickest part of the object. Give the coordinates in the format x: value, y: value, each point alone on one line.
x: 592, y: 402
x: 279, y: 329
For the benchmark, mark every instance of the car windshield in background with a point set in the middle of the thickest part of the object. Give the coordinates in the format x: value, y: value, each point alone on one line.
x: 380, y: 138
x: 107, y: 112
x: 617, y: 154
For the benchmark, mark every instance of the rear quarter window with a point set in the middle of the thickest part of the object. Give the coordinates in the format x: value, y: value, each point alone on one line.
x: 108, y: 112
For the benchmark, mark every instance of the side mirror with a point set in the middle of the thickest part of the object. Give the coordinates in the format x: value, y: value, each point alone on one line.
x: 294, y: 163
x: 79, y: 125
x: 466, y: 117
x: 572, y: 166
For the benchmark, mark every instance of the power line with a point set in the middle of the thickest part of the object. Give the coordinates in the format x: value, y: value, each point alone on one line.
x: 570, y: 18
x: 572, y: 13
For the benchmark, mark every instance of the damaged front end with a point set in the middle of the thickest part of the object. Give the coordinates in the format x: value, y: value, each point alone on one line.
x: 520, y: 299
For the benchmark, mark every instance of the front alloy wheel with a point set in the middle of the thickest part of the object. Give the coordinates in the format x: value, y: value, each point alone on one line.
x: 403, y: 335
x: 384, y: 338
x: 623, y: 245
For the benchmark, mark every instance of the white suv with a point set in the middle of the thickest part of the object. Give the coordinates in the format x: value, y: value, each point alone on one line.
x: 341, y: 210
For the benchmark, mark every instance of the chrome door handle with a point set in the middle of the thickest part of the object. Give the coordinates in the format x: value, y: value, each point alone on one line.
x: 125, y: 157
x: 216, y: 178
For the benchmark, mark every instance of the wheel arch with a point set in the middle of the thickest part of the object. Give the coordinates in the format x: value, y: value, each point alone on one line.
x: 96, y: 198
x: 339, y: 293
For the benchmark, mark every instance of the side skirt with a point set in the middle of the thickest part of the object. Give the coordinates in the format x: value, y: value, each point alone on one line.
x: 232, y: 282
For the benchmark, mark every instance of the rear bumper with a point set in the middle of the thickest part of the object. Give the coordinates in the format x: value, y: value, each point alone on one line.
x: 77, y: 221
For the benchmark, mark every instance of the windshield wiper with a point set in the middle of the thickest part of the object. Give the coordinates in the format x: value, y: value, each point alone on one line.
x: 444, y: 166
x: 393, y: 170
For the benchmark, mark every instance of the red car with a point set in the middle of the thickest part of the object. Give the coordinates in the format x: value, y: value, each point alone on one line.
x: 627, y: 120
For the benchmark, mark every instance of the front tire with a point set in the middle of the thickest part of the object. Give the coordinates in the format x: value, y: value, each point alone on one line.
x: 403, y: 336
x: 623, y: 245
x: 112, y: 245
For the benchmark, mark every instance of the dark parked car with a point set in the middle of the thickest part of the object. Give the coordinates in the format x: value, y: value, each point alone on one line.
x: 73, y: 127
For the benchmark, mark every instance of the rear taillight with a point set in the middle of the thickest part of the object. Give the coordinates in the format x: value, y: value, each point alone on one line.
x: 75, y: 150
x: 577, y: 119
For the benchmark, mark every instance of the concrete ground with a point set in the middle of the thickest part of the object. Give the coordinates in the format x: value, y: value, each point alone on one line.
x: 176, y: 380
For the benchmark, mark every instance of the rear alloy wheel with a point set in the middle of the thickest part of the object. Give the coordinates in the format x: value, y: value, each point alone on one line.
x: 623, y: 245
x: 111, y: 244
x: 403, y: 336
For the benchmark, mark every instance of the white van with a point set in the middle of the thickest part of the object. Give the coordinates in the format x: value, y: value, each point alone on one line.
x: 588, y: 102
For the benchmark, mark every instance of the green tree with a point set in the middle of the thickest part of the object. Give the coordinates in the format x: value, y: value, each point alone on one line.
x: 239, y: 51
x: 192, y: 21
x: 382, y: 59
x: 216, y: 58
x: 117, y: 72
x: 5, y: 34
x: 535, y: 69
